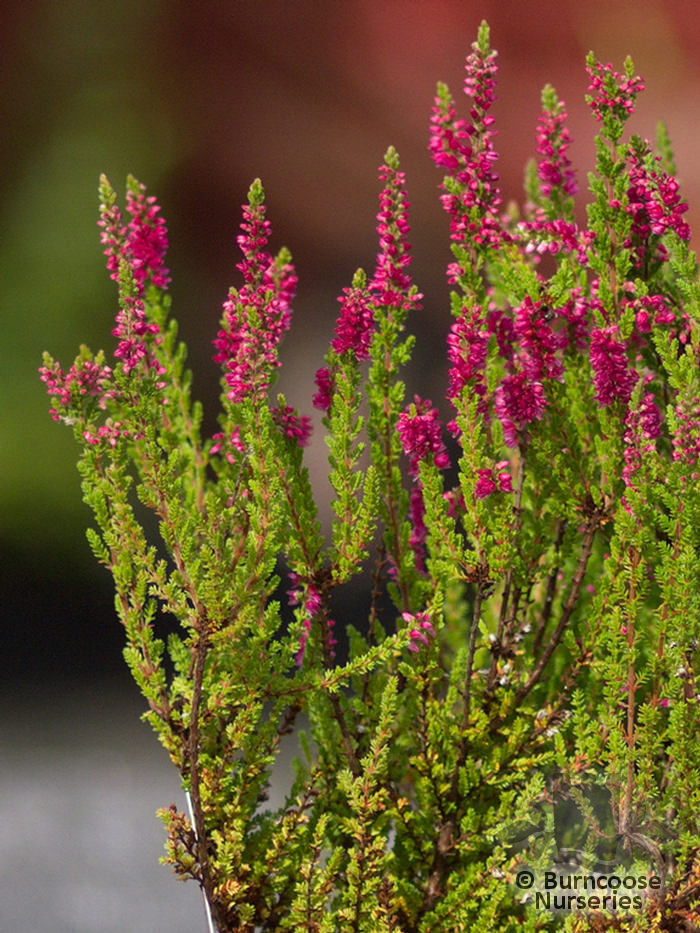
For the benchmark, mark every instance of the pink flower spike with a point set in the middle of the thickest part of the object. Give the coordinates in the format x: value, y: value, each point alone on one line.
x: 391, y: 283
x: 553, y: 139
x: 355, y: 324
x: 146, y: 239
x: 420, y: 635
x: 484, y: 484
x: 612, y: 376
x: 257, y: 315
x: 420, y: 431
x: 292, y: 424
x: 611, y: 94
x: 466, y: 150
x: 324, y: 383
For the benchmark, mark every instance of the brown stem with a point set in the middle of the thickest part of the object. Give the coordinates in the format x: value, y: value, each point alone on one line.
x: 550, y: 590
x: 568, y: 609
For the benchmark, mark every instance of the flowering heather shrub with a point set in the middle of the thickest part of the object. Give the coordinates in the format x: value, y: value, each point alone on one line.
x: 523, y: 688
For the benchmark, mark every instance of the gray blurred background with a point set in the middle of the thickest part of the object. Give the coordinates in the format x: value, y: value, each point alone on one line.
x: 196, y: 99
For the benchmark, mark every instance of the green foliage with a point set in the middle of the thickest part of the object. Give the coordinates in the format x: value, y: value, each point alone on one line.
x: 524, y: 682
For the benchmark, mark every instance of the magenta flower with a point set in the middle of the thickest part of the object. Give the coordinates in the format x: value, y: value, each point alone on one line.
x: 530, y: 347
x: 292, y: 424
x: 555, y: 236
x: 225, y: 445
x: 467, y: 347
x: 420, y: 432
x: 537, y: 342
x: 324, y: 383
x: 390, y: 287
x: 450, y: 143
x: 133, y: 331
x: 421, y: 632
x: 642, y: 427
x: 142, y: 246
x: 576, y: 314
x: 553, y: 139
x: 485, y: 484
x: 113, y: 233
x: 419, y: 530
x: 86, y: 380
x: 611, y: 94
x: 143, y: 243
x: 612, y: 376
x: 472, y: 197
x: 649, y: 310
x: 391, y: 283
x: 355, y: 324
x: 257, y: 315
x: 488, y: 483
x: 686, y: 433
x: 146, y: 240
x: 109, y: 433
x: 518, y: 402
x: 310, y: 599
x: 655, y: 205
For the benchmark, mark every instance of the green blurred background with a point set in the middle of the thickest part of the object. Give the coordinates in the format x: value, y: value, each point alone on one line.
x: 197, y: 99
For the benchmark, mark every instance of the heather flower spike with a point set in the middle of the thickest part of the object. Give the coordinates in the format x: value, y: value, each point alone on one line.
x: 257, y: 315
x: 613, y: 95
x: 486, y: 646
x: 472, y: 195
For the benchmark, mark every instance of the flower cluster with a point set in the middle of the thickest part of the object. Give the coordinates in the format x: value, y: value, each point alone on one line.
x: 613, y: 377
x: 421, y: 631
x: 642, y: 427
x: 353, y: 330
x: 655, y: 205
x: 472, y: 195
x: 519, y: 399
x: 86, y: 380
x: 648, y: 310
x: 611, y: 95
x: 420, y: 433
x: 109, y: 432
x: 292, y: 424
x: 142, y: 244
x: 553, y: 140
x: 225, y: 445
x: 323, y: 398
x: 391, y: 283
x: 309, y: 599
x: 256, y: 316
x: 133, y: 331
x: 487, y: 482
x: 389, y: 287
x: 136, y: 259
x: 467, y: 349
x: 686, y: 435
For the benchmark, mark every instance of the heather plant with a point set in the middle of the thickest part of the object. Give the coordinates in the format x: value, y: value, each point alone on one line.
x: 507, y: 739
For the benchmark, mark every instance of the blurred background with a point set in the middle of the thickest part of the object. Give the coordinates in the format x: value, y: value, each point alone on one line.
x: 196, y: 100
